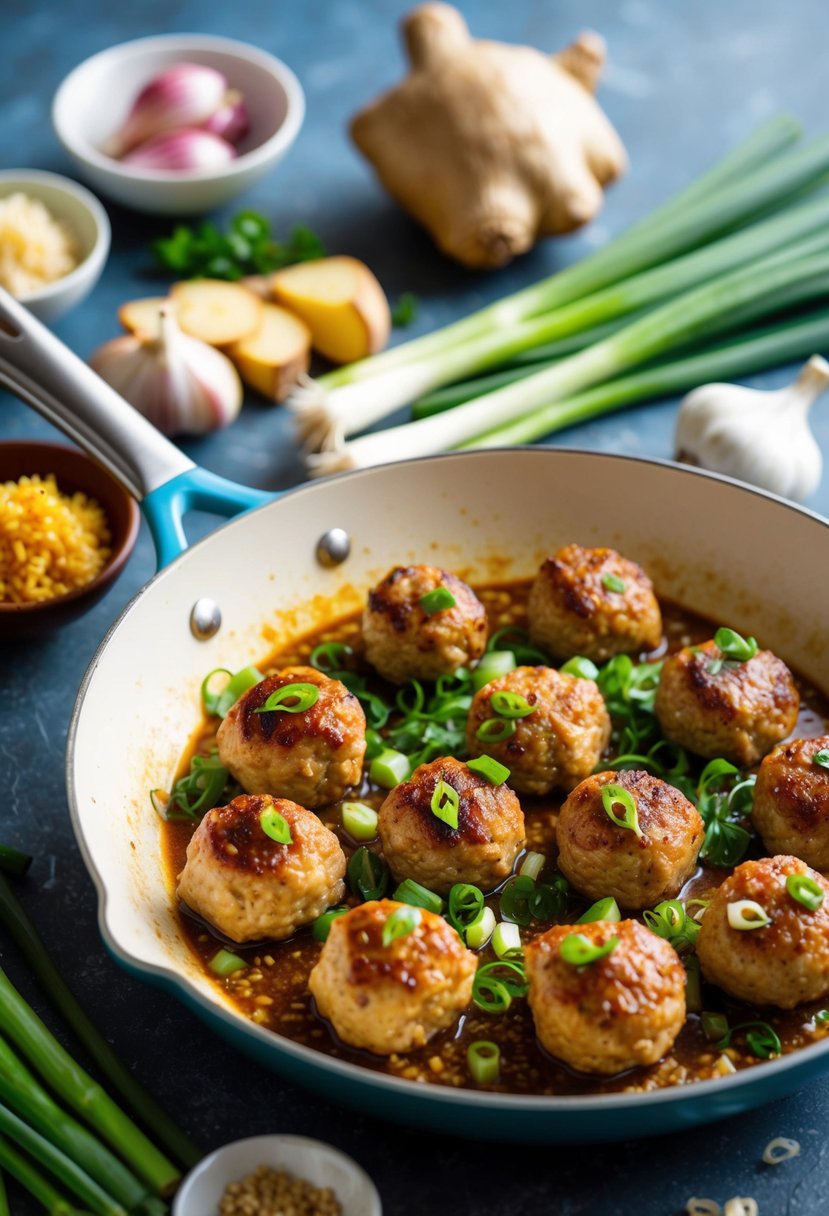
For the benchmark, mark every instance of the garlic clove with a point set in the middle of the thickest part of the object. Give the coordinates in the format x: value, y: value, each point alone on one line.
x: 184, y: 95
x: 189, y: 150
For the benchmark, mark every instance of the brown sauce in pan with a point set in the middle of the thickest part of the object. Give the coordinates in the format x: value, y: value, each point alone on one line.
x: 273, y: 990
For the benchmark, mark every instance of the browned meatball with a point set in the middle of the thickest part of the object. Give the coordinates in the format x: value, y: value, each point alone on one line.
x: 418, y: 845
x: 250, y: 886
x: 600, y: 858
x: 621, y: 1011
x: 737, y: 710
x: 593, y: 602
x: 403, y: 641
x: 791, y: 801
x: 395, y: 997
x: 553, y: 747
x: 782, y: 963
x: 312, y: 757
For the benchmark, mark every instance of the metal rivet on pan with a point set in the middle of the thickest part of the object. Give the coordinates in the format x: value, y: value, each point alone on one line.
x: 333, y: 547
x: 205, y: 619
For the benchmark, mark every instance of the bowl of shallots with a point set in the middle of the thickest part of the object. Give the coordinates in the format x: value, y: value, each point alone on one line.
x: 178, y: 124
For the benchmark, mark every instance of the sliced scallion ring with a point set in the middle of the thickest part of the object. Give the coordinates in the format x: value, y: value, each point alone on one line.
x: 806, y: 890
x: 491, y: 770
x: 821, y: 758
x: 734, y: 646
x: 437, y: 600
x: 225, y: 963
x: 411, y: 892
x: 218, y: 703
x: 495, y: 730
x: 480, y: 931
x: 617, y: 795
x: 322, y: 925
x: 445, y: 803
x: 483, y: 1059
x: 747, y: 914
x: 612, y: 582
x: 532, y: 865
x: 714, y: 1025
x: 506, y: 940
x: 367, y: 874
x: 291, y: 699
x: 492, y: 664
x: 603, y: 909
x: 579, y: 951
x: 508, y: 704
x: 579, y: 666
x: 275, y: 826
x: 359, y: 820
x: 400, y: 923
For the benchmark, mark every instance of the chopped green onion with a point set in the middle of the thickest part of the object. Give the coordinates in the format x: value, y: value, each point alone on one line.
x: 822, y: 1017
x: 291, y: 699
x: 747, y: 914
x: 389, y: 768
x: 322, y: 925
x: 465, y: 906
x: 734, y: 646
x: 367, y: 874
x: 275, y: 825
x: 491, y: 770
x: 404, y: 310
x: 821, y: 758
x: 522, y: 900
x: 603, y: 909
x: 762, y: 1039
x: 219, y: 703
x: 495, y: 730
x: 481, y: 930
x: 411, y: 892
x: 516, y: 640
x: 445, y: 803
x: 532, y: 865
x: 617, y: 795
x: 805, y: 890
x: 582, y: 668
x: 484, y: 1061
x: 492, y: 665
x: 693, y: 984
x: 330, y: 657
x: 510, y: 704
x: 437, y: 600
x: 506, y: 939
x: 359, y: 820
x: 579, y: 951
x: 197, y: 792
x: 401, y: 922
x: 496, y: 984
x: 667, y: 919
x: 225, y: 962
x: 612, y: 582
x: 714, y: 1025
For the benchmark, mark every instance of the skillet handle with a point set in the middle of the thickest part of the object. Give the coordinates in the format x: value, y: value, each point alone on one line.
x: 44, y: 373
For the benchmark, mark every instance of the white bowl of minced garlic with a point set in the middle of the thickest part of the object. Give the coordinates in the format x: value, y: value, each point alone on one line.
x: 54, y: 240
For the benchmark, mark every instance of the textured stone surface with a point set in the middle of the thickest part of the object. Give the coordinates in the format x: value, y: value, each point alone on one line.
x: 684, y: 82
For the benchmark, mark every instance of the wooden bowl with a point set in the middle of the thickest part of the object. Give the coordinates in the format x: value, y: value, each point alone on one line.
x: 73, y: 471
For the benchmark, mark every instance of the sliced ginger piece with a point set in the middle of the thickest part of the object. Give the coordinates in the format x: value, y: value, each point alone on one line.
x: 216, y: 312
x: 141, y: 316
x: 341, y: 302
x: 272, y: 357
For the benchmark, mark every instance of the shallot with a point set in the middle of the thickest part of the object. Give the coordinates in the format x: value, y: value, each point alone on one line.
x: 184, y: 95
x: 189, y: 150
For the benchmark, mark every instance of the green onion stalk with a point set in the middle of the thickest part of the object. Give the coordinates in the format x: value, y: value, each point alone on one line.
x: 680, y: 321
x: 29, y: 1176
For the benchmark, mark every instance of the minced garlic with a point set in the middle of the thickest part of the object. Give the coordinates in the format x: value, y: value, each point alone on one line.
x: 35, y: 248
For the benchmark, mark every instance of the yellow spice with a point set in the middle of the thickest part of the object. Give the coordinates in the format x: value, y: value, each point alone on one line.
x: 35, y: 248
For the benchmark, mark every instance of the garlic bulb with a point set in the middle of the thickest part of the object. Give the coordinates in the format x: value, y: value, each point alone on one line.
x: 757, y: 436
x: 182, y: 385
x: 184, y: 95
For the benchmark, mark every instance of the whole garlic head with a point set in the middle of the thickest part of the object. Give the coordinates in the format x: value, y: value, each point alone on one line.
x: 755, y: 435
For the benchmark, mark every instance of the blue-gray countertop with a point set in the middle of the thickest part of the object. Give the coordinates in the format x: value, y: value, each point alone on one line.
x: 685, y: 81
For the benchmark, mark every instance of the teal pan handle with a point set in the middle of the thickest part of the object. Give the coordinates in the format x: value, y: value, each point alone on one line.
x: 38, y: 368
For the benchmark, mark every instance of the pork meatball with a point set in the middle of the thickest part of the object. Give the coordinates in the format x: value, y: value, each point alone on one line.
x: 622, y: 1011
x: 552, y: 747
x: 395, y: 997
x: 734, y: 710
x: 248, y: 885
x: 405, y: 640
x: 480, y: 850
x: 311, y: 757
x: 782, y: 963
x: 599, y: 858
x: 791, y: 801
x: 593, y: 602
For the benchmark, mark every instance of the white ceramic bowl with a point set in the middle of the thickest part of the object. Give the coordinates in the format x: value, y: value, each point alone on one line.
x: 94, y: 99
x: 312, y: 1160
x: 88, y: 221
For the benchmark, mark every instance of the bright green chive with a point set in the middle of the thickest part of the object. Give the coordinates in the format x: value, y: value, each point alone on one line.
x: 322, y: 925
x: 331, y: 656
x: 584, y: 669
x: 445, y: 803
x: 532, y: 865
x: 484, y: 1061
x: 359, y: 820
x: 579, y: 951
x: 714, y: 1026
x: 603, y: 909
x: 611, y: 582
x: 437, y: 601
x: 291, y: 699
x: 506, y: 939
x: 465, y: 905
x: 389, y: 768
x: 491, y: 770
x: 400, y: 923
x: 734, y: 646
x: 821, y: 758
x: 510, y: 704
x: 514, y: 901
x: 496, y: 984
x: 805, y: 890
x: 367, y: 874
x: 495, y: 730
x: 225, y: 962
x: 411, y: 892
x: 617, y: 795
x: 481, y: 930
x: 493, y: 664
x: 218, y: 703
x: 275, y: 825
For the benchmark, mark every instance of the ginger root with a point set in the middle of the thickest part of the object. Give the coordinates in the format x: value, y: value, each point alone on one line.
x: 489, y: 145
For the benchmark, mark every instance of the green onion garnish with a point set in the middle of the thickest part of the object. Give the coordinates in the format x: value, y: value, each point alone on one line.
x: 532, y: 865
x: 603, y: 909
x: 481, y: 930
x: 579, y: 951
x: 465, y: 906
x: 723, y: 810
x: 496, y: 984
x: 669, y: 920
x: 367, y: 874
x: 322, y: 925
x: 359, y: 820
x: 493, y: 663
x: 437, y: 600
x: 400, y: 923
x: 612, y: 582
x: 495, y: 730
x: 617, y: 795
x: 291, y: 699
x: 522, y: 900
x: 411, y: 892
x: 275, y: 825
x: 762, y: 1039
x: 218, y: 703
x: 506, y: 940
x: 197, y: 792
x: 389, y: 768
x: 582, y: 668
x: 821, y: 758
x: 510, y: 704
x: 445, y: 803
x: 225, y: 962
x: 329, y: 657
x: 484, y: 1061
x: 805, y: 890
x: 491, y: 770
x: 747, y: 914
x: 714, y: 1025
x: 693, y: 984
x: 735, y: 649
x: 822, y: 1017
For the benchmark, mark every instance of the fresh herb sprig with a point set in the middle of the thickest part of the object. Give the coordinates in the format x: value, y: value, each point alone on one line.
x: 724, y: 804
x: 248, y: 246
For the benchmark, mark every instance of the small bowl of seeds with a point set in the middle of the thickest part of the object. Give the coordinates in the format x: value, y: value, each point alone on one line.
x: 277, y: 1175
